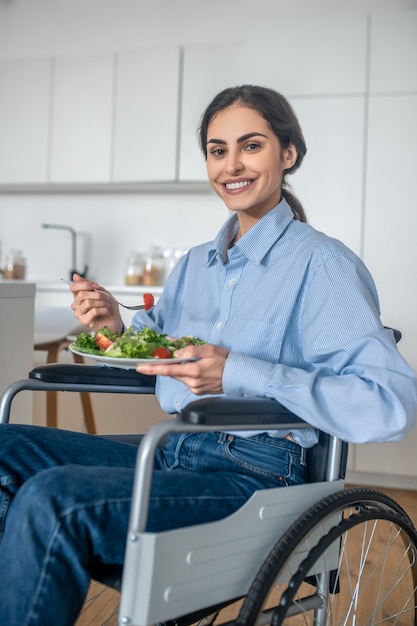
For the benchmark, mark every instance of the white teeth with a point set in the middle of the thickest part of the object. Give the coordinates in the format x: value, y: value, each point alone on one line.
x: 244, y: 183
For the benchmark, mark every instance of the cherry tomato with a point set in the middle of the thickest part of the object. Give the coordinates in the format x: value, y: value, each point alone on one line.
x: 161, y: 353
x: 102, y: 341
x: 148, y: 301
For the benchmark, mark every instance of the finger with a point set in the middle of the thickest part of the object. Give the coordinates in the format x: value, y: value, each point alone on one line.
x: 81, y: 284
x: 175, y: 370
x: 191, y: 352
x: 94, y: 313
x: 91, y: 299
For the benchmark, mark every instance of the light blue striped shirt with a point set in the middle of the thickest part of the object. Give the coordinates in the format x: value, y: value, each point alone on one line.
x: 299, y: 312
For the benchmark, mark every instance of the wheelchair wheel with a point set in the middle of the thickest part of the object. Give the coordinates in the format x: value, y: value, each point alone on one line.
x: 351, y: 559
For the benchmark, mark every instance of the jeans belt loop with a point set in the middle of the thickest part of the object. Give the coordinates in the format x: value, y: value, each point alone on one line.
x: 222, y: 436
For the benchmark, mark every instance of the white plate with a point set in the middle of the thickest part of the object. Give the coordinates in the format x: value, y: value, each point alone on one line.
x: 127, y: 364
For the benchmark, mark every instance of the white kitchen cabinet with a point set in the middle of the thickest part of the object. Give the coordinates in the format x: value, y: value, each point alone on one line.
x: 271, y: 57
x: 146, y: 115
x: 81, y: 127
x: 16, y: 338
x: 391, y: 216
x: 390, y: 253
x: 207, y: 70
x: 329, y: 182
x: 309, y: 55
x: 389, y: 465
x: 393, y: 52
x: 24, y: 120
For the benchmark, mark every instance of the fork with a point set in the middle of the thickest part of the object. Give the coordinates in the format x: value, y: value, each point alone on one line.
x: 131, y: 307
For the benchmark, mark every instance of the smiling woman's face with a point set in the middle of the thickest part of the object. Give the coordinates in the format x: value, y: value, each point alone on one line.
x: 245, y: 161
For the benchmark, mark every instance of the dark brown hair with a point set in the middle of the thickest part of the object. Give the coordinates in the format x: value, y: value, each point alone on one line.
x: 277, y: 111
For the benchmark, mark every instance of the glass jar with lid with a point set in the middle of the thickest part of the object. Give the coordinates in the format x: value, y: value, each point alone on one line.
x: 14, y: 265
x: 153, y: 268
x: 134, y: 269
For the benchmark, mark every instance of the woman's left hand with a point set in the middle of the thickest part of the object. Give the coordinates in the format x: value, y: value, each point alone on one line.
x: 202, y: 376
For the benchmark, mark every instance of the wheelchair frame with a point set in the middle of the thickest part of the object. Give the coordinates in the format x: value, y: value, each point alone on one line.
x: 280, y: 534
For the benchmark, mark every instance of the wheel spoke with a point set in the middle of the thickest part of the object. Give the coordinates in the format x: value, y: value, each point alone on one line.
x: 368, y: 558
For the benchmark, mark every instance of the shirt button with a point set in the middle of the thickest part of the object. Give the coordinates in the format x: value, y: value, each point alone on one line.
x: 178, y: 404
x: 219, y: 325
x: 232, y: 281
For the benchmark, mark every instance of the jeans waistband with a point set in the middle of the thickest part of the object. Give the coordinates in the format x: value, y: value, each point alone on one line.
x: 296, y: 447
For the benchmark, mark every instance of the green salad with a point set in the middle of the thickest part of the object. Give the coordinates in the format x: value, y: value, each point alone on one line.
x: 132, y: 344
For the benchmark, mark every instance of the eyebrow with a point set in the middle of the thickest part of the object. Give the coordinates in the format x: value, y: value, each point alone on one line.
x: 240, y: 139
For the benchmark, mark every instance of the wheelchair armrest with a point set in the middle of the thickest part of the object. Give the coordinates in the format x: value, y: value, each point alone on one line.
x: 77, y: 377
x: 226, y: 411
x: 78, y: 373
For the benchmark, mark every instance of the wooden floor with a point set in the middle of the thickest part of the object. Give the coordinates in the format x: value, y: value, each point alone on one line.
x: 407, y: 499
x: 106, y: 601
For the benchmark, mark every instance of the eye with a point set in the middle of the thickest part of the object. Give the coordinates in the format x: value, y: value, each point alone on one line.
x: 217, y: 152
x: 253, y: 145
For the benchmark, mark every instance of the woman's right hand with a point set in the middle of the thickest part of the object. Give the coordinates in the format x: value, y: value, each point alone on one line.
x: 94, y: 309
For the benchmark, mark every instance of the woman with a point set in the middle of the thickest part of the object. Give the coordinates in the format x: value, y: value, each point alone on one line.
x: 286, y: 312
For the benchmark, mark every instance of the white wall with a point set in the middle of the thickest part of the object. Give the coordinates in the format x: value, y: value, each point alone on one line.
x: 116, y: 223
x: 42, y: 26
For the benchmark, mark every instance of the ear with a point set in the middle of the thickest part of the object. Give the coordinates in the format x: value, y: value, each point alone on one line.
x: 290, y: 156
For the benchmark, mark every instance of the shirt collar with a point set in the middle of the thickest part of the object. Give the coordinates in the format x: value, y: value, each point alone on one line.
x: 257, y: 242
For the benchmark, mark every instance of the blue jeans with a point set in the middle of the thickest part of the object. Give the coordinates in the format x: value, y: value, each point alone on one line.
x: 65, y: 500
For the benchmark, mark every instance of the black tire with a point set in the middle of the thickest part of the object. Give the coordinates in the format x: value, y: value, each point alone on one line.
x: 365, y: 526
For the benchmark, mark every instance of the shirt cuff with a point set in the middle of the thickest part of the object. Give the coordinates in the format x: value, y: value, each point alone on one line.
x: 245, y: 376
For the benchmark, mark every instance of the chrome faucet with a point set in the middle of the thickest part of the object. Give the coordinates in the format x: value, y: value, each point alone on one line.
x: 73, y: 234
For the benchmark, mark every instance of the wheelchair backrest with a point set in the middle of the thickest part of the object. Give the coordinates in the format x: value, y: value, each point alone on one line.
x: 318, y: 459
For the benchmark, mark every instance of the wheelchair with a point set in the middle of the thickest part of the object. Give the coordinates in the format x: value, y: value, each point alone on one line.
x: 316, y: 553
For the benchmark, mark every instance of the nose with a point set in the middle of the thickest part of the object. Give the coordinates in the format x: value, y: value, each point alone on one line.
x: 234, y: 164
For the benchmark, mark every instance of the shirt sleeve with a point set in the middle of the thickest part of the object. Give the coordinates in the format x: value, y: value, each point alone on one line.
x: 353, y: 383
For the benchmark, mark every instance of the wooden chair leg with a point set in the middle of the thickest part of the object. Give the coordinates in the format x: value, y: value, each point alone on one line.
x: 53, y: 349
x: 52, y: 396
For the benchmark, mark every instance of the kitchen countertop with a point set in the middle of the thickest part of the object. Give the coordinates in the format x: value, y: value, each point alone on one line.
x: 17, y: 289
x: 59, y: 286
